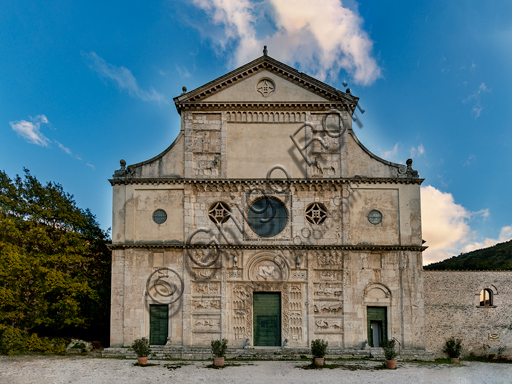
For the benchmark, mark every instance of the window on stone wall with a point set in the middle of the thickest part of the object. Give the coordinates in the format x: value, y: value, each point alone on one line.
x: 486, y: 298
x: 316, y: 213
x: 219, y: 212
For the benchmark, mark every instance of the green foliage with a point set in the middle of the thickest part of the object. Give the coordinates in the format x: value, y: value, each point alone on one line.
x: 54, y: 262
x: 219, y: 348
x: 319, y: 348
x: 453, y: 347
x: 141, y: 347
x: 389, y: 349
x: 497, y: 257
x: 13, y: 340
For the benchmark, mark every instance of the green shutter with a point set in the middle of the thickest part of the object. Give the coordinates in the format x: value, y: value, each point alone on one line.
x: 377, y: 314
x: 267, y: 319
x: 158, y: 324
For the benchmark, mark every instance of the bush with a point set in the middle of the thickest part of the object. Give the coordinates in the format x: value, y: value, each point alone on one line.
x: 389, y: 349
x: 141, y: 347
x: 219, y: 347
x: 14, y: 340
x: 319, y: 348
x: 453, y: 347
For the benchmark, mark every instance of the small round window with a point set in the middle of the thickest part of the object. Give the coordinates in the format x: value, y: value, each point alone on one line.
x: 159, y: 216
x: 267, y: 217
x: 219, y: 212
x: 375, y: 217
x: 316, y: 213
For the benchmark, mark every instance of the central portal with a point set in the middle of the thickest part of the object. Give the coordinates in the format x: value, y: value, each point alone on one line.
x: 267, y: 319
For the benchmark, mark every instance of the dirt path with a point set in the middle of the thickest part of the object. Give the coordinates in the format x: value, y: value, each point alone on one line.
x: 79, y: 369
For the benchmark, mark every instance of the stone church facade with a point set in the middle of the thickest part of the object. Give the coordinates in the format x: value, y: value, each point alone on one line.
x: 267, y: 223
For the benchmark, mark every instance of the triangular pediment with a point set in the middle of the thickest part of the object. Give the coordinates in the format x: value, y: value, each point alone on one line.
x: 266, y: 80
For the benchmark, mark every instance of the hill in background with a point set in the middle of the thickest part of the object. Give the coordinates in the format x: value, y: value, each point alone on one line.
x: 497, y: 257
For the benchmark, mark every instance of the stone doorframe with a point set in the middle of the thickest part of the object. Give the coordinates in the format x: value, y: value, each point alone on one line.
x: 243, y: 304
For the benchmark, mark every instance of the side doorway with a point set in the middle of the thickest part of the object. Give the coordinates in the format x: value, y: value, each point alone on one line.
x: 158, y: 324
x: 377, y: 325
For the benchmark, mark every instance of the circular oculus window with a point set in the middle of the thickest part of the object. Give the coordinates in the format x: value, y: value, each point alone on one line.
x: 159, y: 216
x: 375, y: 217
x: 267, y: 217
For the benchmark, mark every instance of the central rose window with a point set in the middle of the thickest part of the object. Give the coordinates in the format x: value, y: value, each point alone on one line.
x: 267, y: 217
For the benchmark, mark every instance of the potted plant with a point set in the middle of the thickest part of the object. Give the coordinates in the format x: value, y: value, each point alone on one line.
x: 142, y: 349
x: 219, y: 351
x: 453, y: 348
x: 318, y: 350
x: 389, y: 353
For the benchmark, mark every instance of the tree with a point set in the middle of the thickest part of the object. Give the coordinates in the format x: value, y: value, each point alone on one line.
x: 54, y: 261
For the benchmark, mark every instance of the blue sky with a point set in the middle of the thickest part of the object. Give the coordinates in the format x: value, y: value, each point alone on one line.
x: 84, y: 84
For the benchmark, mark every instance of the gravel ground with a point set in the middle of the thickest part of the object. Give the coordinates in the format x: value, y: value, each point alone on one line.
x: 82, y: 369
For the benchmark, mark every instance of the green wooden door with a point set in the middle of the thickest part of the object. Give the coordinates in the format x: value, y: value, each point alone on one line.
x: 267, y: 319
x: 158, y: 324
x: 377, y: 316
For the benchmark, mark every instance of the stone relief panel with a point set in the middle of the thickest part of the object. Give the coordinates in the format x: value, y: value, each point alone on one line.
x: 328, y: 259
x: 327, y: 308
x: 328, y: 275
x: 201, y: 304
x: 296, y: 300
x: 211, y: 288
x: 327, y: 290
x: 206, y: 323
x: 328, y: 325
x: 206, y: 164
x: 206, y: 141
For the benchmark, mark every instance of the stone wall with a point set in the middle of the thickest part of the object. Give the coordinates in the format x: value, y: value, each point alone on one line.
x: 452, y: 308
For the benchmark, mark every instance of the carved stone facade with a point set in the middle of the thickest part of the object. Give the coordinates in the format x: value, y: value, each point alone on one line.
x: 267, y: 189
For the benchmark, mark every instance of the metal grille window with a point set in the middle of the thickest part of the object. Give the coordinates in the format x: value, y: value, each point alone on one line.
x: 316, y: 213
x: 219, y: 212
x: 159, y: 216
x: 486, y: 298
x: 375, y: 217
x: 267, y: 217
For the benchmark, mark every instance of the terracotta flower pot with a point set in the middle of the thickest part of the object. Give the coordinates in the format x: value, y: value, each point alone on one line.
x: 391, y: 364
x: 455, y: 360
x: 319, y: 360
x: 218, y: 361
x: 142, y: 360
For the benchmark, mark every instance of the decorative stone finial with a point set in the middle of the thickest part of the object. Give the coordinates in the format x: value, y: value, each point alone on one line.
x: 265, y: 51
x: 184, y: 89
x: 123, y: 172
x: 347, y: 91
x: 411, y: 172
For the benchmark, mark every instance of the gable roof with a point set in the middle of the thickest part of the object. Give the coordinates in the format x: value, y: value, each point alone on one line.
x: 268, y: 63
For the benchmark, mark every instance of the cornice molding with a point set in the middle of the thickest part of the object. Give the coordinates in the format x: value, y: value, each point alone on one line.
x: 292, y: 247
x: 279, y: 182
x: 264, y: 106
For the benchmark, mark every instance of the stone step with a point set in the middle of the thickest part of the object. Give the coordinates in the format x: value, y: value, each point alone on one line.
x: 184, y: 353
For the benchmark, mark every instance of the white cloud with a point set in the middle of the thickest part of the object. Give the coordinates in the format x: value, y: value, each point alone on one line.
x: 321, y: 37
x: 30, y: 131
x: 122, y: 76
x: 477, y: 108
x: 446, y: 226
x: 417, y: 151
x: 390, y: 154
x: 183, y: 71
